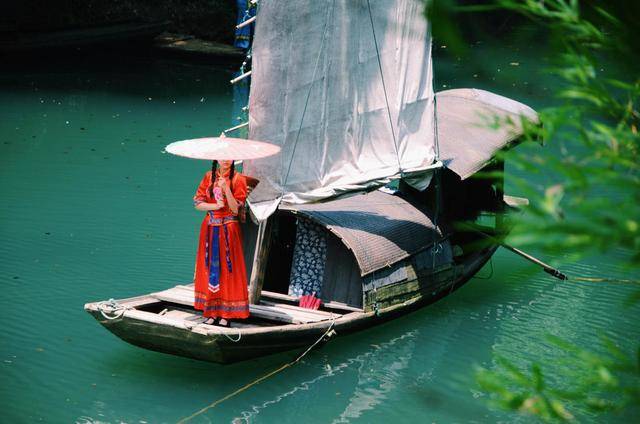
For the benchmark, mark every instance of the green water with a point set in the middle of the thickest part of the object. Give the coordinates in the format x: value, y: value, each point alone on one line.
x: 92, y: 209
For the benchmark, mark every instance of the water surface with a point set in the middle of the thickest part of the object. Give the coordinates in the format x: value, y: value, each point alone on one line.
x: 92, y: 209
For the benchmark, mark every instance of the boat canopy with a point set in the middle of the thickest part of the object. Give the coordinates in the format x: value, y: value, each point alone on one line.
x: 345, y: 88
x: 474, y: 124
x: 380, y: 229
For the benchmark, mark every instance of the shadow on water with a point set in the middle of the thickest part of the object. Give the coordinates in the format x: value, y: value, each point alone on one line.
x: 142, y: 76
x: 144, y: 364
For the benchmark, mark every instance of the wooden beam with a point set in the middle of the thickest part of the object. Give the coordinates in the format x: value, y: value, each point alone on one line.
x: 312, y: 313
x: 339, y: 306
x: 260, y: 257
x: 184, y: 296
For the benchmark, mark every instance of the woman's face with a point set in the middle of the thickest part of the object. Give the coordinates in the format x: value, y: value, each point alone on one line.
x: 225, y: 165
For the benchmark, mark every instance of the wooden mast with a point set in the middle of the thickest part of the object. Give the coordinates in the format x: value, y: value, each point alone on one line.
x: 260, y: 257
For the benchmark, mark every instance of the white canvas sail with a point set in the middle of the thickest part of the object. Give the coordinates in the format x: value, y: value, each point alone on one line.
x: 345, y: 88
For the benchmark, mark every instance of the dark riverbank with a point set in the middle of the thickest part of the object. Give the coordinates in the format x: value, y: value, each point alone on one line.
x: 212, y: 20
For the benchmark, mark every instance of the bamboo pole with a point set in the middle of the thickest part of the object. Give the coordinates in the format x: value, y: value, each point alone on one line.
x: 237, y: 127
x: 545, y: 267
x: 240, y: 77
x: 245, y: 23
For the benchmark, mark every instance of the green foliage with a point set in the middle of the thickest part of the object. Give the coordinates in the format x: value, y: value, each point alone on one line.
x: 589, y: 198
x: 596, y: 130
x: 603, y: 382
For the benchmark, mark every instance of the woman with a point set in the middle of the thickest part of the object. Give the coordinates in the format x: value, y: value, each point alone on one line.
x: 220, y: 276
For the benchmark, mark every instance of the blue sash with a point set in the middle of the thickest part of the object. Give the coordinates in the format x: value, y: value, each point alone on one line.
x: 212, y: 252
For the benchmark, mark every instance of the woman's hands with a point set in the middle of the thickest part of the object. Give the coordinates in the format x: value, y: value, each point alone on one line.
x: 218, y: 199
x: 204, y: 206
x: 222, y: 183
x: 233, y: 204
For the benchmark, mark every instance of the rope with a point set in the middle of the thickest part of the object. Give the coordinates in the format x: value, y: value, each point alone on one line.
x: 306, y: 102
x: 435, y: 114
x: 264, y: 377
x: 112, y: 310
x: 490, y: 271
x: 437, y: 248
x: 233, y: 340
x: 384, y: 88
x: 437, y: 172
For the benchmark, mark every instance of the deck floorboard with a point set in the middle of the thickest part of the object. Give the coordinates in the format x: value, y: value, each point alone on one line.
x: 183, y: 295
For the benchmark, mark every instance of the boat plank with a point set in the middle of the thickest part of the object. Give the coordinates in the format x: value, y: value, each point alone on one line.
x: 298, y: 315
x: 271, y: 312
x: 312, y: 312
x: 175, y: 296
x: 291, y: 299
x: 178, y: 314
x: 197, y: 318
x: 185, y: 297
x: 305, y: 314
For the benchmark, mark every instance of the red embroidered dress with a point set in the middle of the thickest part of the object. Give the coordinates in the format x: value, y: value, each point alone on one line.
x: 220, y: 276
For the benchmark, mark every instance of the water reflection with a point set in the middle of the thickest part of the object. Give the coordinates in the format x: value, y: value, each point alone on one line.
x: 376, y: 377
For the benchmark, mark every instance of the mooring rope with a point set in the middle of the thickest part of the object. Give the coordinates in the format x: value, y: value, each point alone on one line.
x: 258, y: 380
x: 111, y: 309
x: 232, y: 339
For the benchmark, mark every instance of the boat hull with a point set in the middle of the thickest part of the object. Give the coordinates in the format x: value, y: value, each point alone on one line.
x: 228, y: 345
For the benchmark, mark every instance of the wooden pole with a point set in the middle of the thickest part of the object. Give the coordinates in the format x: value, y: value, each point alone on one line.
x: 260, y: 257
x: 237, y: 127
x: 545, y: 267
x: 245, y: 23
x: 240, y: 77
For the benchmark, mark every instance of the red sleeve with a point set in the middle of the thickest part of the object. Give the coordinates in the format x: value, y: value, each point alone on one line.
x: 201, y: 193
x: 239, y: 188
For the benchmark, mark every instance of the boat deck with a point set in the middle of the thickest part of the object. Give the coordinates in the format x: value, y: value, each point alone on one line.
x: 270, y: 308
x: 167, y: 322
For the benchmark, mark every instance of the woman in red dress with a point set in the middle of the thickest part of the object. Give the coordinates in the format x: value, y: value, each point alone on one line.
x: 220, y: 275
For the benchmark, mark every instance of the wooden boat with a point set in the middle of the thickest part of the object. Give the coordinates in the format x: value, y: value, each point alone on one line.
x: 380, y: 255
x: 388, y: 251
x: 166, y: 321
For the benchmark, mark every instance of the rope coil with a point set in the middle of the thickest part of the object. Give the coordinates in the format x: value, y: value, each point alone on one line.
x: 111, y: 309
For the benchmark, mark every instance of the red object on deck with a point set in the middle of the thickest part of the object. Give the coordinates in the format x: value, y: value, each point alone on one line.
x: 309, y: 301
